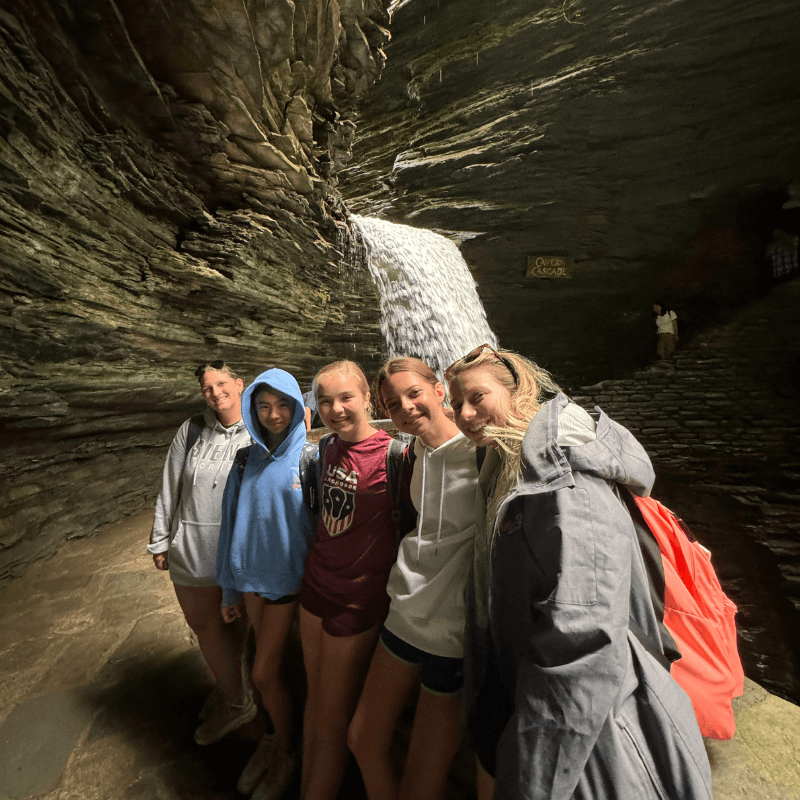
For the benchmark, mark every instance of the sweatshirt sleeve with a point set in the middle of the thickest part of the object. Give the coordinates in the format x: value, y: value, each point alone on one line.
x: 170, y: 495
x: 573, y: 655
x: 230, y: 502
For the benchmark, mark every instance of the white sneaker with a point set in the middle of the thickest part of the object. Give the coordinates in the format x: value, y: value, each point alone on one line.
x: 226, y: 718
x: 258, y: 764
x: 277, y: 779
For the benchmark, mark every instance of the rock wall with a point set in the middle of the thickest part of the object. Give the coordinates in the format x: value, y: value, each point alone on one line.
x: 648, y: 143
x: 166, y: 198
x: 721, y: 427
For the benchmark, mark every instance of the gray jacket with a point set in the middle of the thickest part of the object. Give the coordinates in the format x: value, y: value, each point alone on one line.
x: 591, y: 713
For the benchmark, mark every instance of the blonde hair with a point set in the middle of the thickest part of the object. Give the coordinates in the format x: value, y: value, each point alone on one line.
x: 528, y: 384
x: 401, y: 364
x: 345, y: 367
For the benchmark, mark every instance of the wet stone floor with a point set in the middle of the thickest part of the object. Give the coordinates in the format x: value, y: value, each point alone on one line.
x: 101, y: 684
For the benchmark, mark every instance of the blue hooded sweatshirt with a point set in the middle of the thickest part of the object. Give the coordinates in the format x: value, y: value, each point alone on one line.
x: 266, y: 529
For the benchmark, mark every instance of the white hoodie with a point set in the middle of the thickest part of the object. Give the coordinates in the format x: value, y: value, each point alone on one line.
x: 189, y: 505
x: 428, y: 582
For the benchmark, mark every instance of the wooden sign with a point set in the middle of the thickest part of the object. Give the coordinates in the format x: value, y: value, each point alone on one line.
x: 549, y: 267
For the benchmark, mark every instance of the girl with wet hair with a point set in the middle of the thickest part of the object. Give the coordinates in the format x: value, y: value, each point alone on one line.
x: 567, y: 692
x: 422, y: 640
x: 343, y: 598
x: 185, y: 536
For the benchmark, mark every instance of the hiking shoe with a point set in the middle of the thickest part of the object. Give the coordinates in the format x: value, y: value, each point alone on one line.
x: 214, y: 700
x: 258, y: 764
x: 278, y: 777
x: 226, y: 718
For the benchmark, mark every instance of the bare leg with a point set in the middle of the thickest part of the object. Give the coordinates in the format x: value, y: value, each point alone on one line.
x: 340, y: 669
x: 389, y: 684
x: 311, y: 639
x: 484, y: 782
x: 434, y: 741
x: 271, y: 624
x: 220, y: 643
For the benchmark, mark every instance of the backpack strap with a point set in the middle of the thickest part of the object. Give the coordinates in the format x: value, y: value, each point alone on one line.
x: 308, y: 476
x: 668, y: 651
x: 404, y: 517
x: 480, y: 457
x: 324, y: 441
x: 196, y: 425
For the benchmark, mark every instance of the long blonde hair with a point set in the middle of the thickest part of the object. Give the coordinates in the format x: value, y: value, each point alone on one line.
x: 529, y: 385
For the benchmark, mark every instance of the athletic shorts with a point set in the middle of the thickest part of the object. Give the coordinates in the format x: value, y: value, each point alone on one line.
x: 336, y: 620
x: 281, y: 601
x: 437, y: 674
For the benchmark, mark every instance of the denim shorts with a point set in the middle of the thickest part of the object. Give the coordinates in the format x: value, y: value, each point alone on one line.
x: 437, y: 674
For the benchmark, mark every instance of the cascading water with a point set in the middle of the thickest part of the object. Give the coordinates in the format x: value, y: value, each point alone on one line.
x: 429, y: 304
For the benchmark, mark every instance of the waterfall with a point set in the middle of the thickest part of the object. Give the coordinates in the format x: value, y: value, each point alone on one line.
x: 429, y: 303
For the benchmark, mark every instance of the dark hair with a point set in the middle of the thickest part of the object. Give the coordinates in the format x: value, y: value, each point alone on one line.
x: 665, y: 309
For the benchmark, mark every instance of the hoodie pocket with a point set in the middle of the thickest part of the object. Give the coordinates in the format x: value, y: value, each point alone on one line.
x: 193, y: 550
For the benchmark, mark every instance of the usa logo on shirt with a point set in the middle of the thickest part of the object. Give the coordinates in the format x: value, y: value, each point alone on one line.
x: 338, y: 507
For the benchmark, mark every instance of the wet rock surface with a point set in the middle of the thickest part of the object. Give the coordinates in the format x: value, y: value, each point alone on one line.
x: 647, y: 143
x: 165, y: 199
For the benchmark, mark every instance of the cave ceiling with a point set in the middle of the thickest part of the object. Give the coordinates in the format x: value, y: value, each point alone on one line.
x: 650, y: 145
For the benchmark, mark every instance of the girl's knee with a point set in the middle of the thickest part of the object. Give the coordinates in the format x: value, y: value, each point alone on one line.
x: 356, y: 741
x: 204, y: 625
x: 267, y: 675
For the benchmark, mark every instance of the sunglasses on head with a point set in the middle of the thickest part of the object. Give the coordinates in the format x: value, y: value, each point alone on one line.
x: 479, y: 350
x: 208, y: 365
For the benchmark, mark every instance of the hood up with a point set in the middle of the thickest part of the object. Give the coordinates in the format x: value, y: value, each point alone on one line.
x: 279, y: 382
x: 614, y: 455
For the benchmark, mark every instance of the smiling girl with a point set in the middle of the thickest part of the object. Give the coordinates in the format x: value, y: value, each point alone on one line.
x: 186, y: 531
x: 565, y: 699
x: 343, y: 598
x: 264, y: 540
x: 422, y: 641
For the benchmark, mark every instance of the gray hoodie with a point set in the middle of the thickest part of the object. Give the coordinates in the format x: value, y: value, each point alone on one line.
x: 189, y: 505
x: 590, y: 713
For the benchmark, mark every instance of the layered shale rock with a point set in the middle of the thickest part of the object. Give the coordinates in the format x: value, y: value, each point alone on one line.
x: 166, y: 197
x: 648, y: 144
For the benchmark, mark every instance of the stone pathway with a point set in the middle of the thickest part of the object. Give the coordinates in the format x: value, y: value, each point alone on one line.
x: 721, y: 425
x: 100, y: 685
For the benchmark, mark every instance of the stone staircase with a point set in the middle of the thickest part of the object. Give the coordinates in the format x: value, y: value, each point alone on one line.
x: 720, y: 424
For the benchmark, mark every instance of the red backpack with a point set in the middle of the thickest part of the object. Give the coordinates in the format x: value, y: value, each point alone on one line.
x: 700, y: 618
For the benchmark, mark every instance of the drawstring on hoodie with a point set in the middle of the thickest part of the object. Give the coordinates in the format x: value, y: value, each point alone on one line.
x: 224, y: 459
x: 229, y: 432
x: 425, y: 457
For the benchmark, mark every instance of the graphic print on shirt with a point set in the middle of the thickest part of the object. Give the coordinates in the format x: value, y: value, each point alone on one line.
x: 206, y: 454
x: 338, y: 499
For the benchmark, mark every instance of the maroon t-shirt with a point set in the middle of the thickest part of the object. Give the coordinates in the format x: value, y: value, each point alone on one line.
x: 355, y: 548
